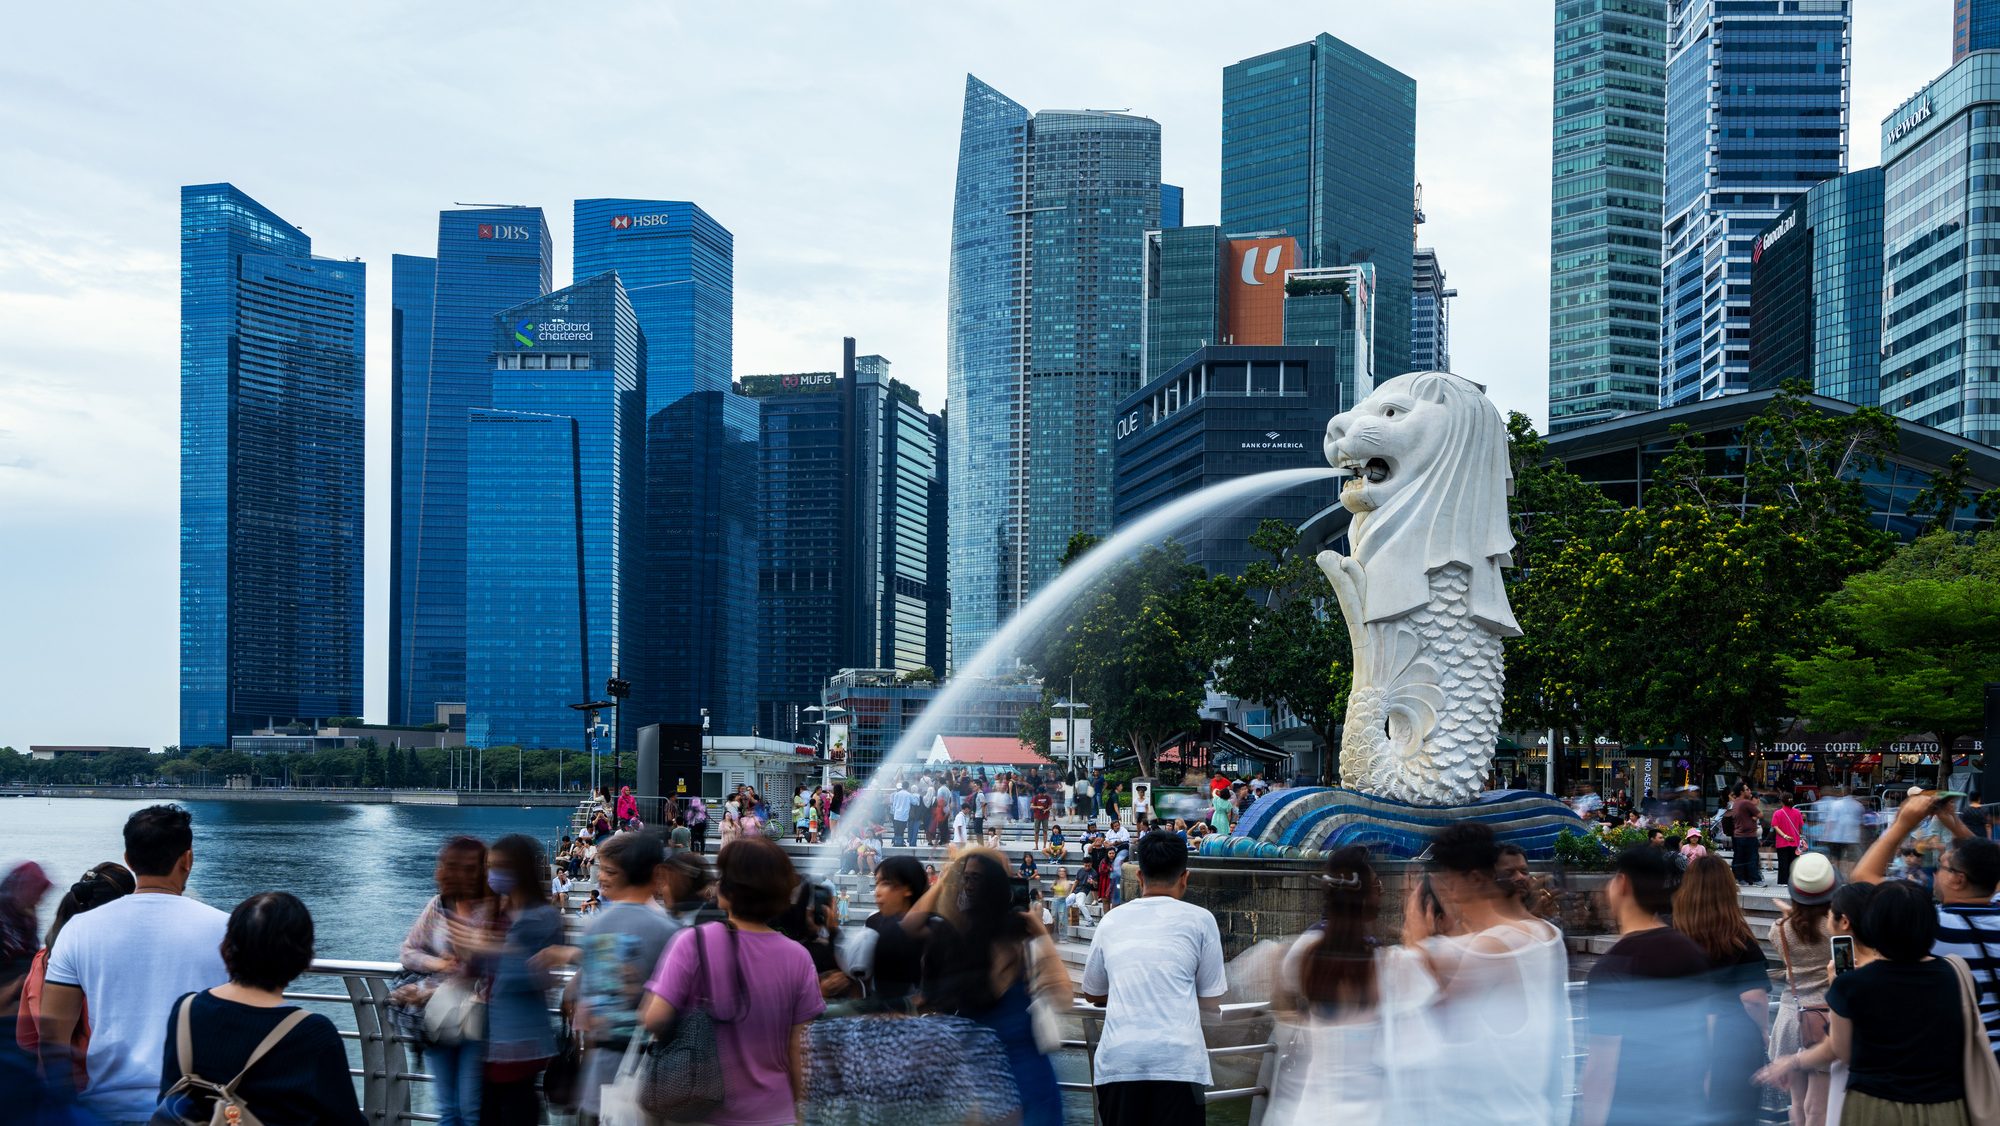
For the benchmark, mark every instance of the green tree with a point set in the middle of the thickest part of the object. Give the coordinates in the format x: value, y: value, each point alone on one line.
x: 1278, y: 634
x: 1137, y: 646
x: 1940, y: 505
x: 371, y: 764
x: 1915, y: 643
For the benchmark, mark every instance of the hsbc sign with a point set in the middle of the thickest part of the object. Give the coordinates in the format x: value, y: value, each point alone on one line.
x: 512, y: 232
x: 627, y: 222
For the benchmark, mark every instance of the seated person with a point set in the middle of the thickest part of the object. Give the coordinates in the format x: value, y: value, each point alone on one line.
x: 1027, y: 869
x: 1057, y: 849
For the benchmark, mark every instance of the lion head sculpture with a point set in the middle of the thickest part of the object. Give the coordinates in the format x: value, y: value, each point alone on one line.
x: 1430, y: 481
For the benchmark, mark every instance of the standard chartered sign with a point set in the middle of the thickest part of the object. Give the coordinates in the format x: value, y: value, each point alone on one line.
x: 555, y: 330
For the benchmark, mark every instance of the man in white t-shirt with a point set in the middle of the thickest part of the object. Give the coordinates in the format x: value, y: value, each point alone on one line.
x: 127, y: 962
x: 1155, y: 965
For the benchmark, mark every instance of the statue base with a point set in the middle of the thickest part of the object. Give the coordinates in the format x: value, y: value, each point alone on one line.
x: 1308, y: 822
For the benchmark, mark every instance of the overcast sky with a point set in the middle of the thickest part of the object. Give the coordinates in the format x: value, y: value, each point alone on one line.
x: 824, y: 135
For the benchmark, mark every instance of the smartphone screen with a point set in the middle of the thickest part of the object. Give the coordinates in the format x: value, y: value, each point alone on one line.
x: 1020, y: 893
x: 1843, y: 954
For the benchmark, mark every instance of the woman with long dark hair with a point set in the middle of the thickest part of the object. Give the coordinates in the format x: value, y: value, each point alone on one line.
x: 462, y: 899
x: 987, y: 961
x: 99, y: 886
x: 1353, y: 1008
x: 1707, y: 909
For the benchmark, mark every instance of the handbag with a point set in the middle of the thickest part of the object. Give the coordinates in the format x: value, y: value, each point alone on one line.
x: 1815, y: 1021
x: 683, y: 1070
x: 455, y: 1014
x: 562, y: 1080
x: 619, y: 1103
x: 1982, y: 1071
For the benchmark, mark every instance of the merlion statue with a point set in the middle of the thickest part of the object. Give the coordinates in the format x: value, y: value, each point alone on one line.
x: 1421, y: 590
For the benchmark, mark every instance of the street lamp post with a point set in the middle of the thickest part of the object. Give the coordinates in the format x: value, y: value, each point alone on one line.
x: 617, y: 689
x: 590, y: 710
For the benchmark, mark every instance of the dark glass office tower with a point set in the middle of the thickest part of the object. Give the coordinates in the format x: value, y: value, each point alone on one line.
x: 1756, y: 115
x: 412, y: 284
x: 488, y: 260
x: 1171, y: 200
x: 1816, y: 292
x: 1319, y: 141
x: 677, y: 264
x: 1604, y: 229
x: 1041, y: 339
x: 849, y: 475
x: 272, y: 455
x: 1975, y: 26
x: 539, y: 630
x: 1430, y: 314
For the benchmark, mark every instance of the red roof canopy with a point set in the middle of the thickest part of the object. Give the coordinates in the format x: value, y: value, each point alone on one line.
x: 988, y: 750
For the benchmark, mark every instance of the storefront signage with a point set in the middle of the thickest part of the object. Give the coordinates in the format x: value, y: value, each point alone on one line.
x: 1909, y: 121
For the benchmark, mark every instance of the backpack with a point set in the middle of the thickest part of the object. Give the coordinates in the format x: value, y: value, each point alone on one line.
x: 179, y: 1106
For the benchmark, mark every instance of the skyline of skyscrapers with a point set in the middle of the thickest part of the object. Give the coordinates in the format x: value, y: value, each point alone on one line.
x: 1041, y: 338
x: 1607, y: 179
x: 1757, y: 99
x: 272, y: 467
x: 488, y: 259
x: 1816, y: 292
x: 1319, y: 142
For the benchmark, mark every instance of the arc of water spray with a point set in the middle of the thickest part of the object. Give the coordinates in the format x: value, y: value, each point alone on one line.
x: 865, y: 807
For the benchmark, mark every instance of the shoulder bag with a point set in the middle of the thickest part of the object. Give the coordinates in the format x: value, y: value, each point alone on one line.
x: 1982, y: 1071
x: 455, y: 1014
x: 682, y: 1076
x: 181, y: 1104
x: 1815, y: 1021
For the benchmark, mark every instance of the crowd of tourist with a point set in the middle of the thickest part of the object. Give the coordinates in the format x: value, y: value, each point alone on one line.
x: 1447, y: 1000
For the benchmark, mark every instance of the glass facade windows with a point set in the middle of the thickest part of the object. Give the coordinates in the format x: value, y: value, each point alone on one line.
x: 488, y: 260
x: 1975, y: 26
x: 1430, y: 314
x: 881, y: 706
x: 1941, y: 253
x: 538, y: 502
x: 1042, y: 336
x: 1816, y: 292
x: 1319, y: 142
x: 272, y: 421
x: 1608, y: 184
x: 1756, y: 115
x: 412, y: 283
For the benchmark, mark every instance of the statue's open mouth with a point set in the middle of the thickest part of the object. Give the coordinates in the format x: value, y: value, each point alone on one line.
x: 1374, y: 471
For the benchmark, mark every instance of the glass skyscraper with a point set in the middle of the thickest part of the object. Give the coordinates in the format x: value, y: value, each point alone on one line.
x: 1941, y: 253
x: 1975, y: 26
x: 488, y: 260
x: 1430, y: 314
x: 1042, y: 335
x: 551, y: 542
x: 699, y: 536
x: 1816, y: 292
x: 272, y: 422
x: 1171, y: 200
x: 1756, y: 115
x: 849, y: 473
x: 1319, y: 141
x: 1608, y: 177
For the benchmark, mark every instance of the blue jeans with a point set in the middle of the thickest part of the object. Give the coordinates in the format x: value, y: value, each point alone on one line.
x: 457, y: 1073
x: 906, y: 833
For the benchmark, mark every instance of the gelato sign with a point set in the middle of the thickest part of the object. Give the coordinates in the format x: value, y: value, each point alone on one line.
x: 555, y: 330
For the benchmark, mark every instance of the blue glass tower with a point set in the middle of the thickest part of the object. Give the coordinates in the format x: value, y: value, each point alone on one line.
x: 699, y: 534
x: 487, y: 260
x: 1319, y: 141
x: 1042, y: 337
x: 1756, y: 115
x: 1816, y: 292
x: 1975, y: 26
x: 1171, y: 205
x: 1608, y: 178
x: 271, y: 471
x: 412, y: 282
x: 553, y: 491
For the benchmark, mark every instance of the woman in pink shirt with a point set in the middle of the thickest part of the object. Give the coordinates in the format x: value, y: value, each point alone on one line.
x: 1789, y: 826
x: 760, y: 986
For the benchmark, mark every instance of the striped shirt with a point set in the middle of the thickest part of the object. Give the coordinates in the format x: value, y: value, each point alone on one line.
x: 1973, y: 933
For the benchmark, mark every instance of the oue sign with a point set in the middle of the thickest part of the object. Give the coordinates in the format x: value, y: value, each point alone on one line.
x: 1128, y: 426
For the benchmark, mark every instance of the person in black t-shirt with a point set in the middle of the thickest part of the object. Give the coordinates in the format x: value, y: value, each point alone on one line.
x: 303, y: 1079
x: 1897, y: 1020
x: 1647, y: 1007
x: 898, y: 964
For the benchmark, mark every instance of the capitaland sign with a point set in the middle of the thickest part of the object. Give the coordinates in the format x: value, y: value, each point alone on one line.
x: 628, y: 222
x: 1910, y: 120
x: 510, y: 232
x: 1778, y: 230
x: 555, y: 330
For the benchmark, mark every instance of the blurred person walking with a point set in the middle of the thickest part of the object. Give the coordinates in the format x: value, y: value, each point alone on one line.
x: 1803, y: 939
x: 895, y: 966
x: 991, y: 963
x: 97, y: 887
x: 456, y: 1062
x: 758, y: 985
x: 1156, y: 966
x: 1503, y: 1021
x: 1746, y: 826
x: 1739, y: 988
x: 127, y: 962
x: 288, y: 1066
x: 620, y: 946
x: 1840, y: 829
x: 520, y: 1040
x: 1354, y: 1030
x: 21, y: 895
x: 1788, y: 832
